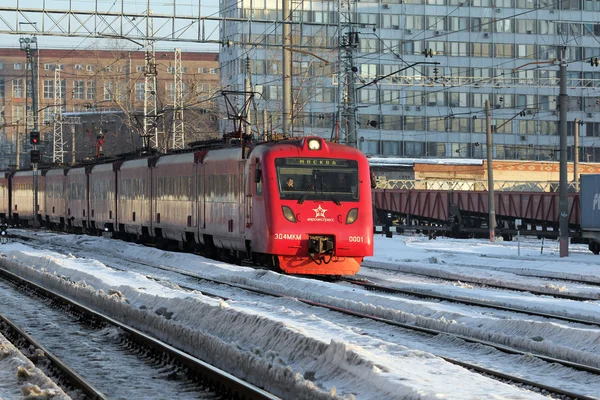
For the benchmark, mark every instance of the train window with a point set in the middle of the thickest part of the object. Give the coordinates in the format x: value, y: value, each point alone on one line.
x: 317, y: 179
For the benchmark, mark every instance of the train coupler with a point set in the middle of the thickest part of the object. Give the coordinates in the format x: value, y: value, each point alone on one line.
x: 320, y: 248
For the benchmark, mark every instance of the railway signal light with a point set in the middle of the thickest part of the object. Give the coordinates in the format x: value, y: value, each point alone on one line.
x: 428, y: 53
x: 34, y: 137
x: 35, y: 156
x: 522, y: 113
x: 594, y: 62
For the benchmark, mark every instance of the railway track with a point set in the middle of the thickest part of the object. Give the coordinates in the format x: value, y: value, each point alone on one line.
x: 54, y: 367
x: 186, y: 374
x: 558, y: 391
x: 424, y: 295
x: 491, y: 283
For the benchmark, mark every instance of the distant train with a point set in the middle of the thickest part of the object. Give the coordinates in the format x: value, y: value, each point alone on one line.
x: 301, y: 205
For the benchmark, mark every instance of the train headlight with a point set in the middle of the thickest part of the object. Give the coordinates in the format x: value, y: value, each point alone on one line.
x: 314, y: 144
x: 288, y: 214
x: 352, y: 215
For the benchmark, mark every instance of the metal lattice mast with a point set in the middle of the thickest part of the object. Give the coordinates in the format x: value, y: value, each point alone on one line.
x: 347, y: 43
x: 178, y: 132
x: 57, y: 137
x: 150, y: 88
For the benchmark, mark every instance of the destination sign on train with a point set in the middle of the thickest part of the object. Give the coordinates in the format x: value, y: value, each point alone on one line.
x: 325, y: 162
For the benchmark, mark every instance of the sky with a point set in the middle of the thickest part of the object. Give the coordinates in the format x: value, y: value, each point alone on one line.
x: 336, y: 356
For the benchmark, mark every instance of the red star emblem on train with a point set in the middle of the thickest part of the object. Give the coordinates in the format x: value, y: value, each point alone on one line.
x: 319, y: 212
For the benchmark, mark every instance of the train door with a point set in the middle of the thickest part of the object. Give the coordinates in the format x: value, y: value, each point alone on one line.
x: 242, y: 196
x: 200, y: 176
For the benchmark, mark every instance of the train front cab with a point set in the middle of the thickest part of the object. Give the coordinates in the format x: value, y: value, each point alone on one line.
x: 323, y: 224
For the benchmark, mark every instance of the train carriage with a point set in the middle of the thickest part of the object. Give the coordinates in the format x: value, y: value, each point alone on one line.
x: 77, y: 199
x: 221, y: 220
x: 174, y: 195
x: 102, y: 198
x: 22, y: 197
x: 56, y: 204
x: 4, y: 196
x: 133, y: 192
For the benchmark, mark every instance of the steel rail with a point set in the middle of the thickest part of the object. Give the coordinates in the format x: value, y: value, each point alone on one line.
x: 209, y: 375
x: 507, y: 287
x: 72, y: 377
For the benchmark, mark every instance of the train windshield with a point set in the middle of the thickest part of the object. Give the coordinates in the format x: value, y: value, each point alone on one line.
x: 317, y: 179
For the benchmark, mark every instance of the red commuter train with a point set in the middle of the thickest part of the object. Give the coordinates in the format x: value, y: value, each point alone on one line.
x: 302, y: 205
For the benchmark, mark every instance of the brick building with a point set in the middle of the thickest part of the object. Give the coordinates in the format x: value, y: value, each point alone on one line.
x: 106, y: 89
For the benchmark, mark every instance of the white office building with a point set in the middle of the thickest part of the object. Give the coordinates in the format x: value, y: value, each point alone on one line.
x: 501, y: 51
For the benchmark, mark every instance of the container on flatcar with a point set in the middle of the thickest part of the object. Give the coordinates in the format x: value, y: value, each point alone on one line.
x: 590, y: 210
x: 590, y: 202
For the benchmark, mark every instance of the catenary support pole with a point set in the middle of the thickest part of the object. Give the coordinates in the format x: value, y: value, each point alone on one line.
x: 490, y: 172
x: 563, y: 205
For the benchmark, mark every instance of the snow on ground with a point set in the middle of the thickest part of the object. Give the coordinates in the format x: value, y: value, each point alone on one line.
x: 297, y: 353
x: 20, y: 378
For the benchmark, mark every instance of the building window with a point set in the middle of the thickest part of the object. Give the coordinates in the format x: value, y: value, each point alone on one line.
x: 90, y: 93
x: 140, y: 90
x: 170, y: 91
x: 1, y: 88
x: 139, y: 68
x: 213, y: 71
x: 90, y: 68
x: 18, y: 66
x: 78, y: 90
x: 368, y: 96
x: 18, y: 89
x: 48, y: 115
x: 78, y: 67
x: 108, y: 90
x: 48, y: 88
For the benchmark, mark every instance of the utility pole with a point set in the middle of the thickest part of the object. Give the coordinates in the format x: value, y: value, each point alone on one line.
x: 249, y: 96
x: 287, y: 69
x: 563, y: 203
x: 29, y: 45
x: 351, y: 44
x: 150, y: 90
x: 578, y: 123
x: 490, y: 172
